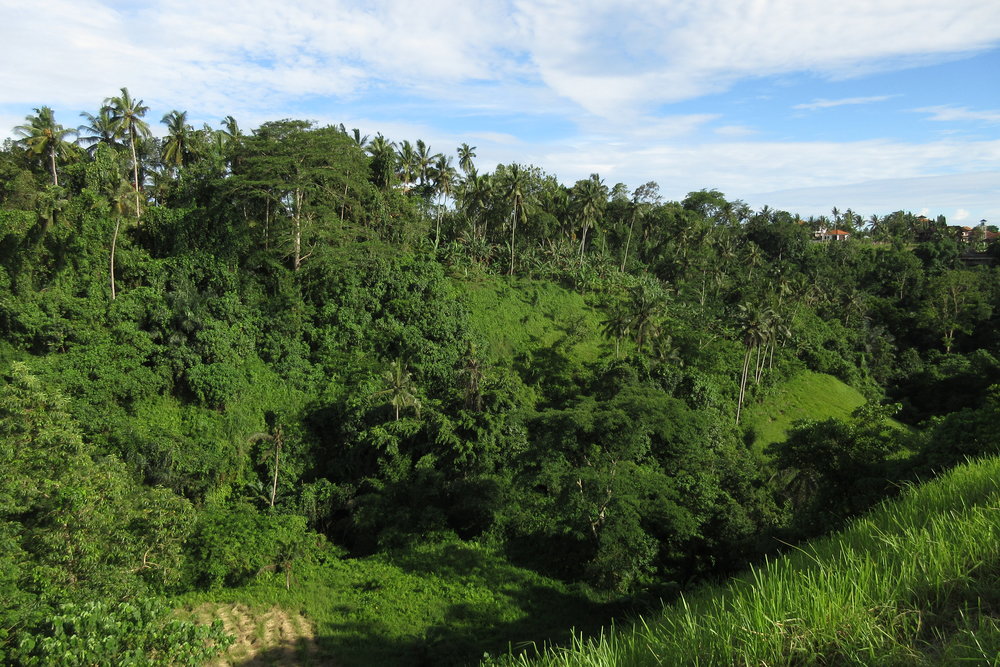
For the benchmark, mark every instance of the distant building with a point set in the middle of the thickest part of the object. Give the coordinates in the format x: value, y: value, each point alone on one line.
x: 824, y: 234
x: 974, y: 234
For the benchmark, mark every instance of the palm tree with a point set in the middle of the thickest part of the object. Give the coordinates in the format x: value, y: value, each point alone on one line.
x: 588, y: 199
x: 407, y: 164
x: 516, y: 185
x: 360, y: 139
x: 42, y: 135
x: 644, y: 196
x: 119, y: 198
x: 402, y: 389
x: 465, y: 155
x: 178, y: 148
x: 444, y: 184
x: 475, y: 198
x: 231, y: 128
x: 617, y: 325
x: 275, y: 438
x: 757, y: 329
x: 424, y: 161
x: 646, y: 302
x: 101, y: 130
x: 383, y: 165
x: 231, y: 132
x: 754, y: 258
x: 127, y: 115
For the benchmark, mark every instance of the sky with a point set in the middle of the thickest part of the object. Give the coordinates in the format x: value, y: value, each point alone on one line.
x: 803, y: 105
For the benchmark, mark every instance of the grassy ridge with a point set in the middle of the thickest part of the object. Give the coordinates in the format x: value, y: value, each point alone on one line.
x: 522, y: 316
x: 917, y: 581
x: 808, y: 395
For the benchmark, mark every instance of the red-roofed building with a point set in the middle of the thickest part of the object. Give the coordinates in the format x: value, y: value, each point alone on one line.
x: 831, y: 235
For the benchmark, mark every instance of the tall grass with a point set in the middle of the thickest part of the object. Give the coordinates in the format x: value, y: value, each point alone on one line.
x: 914, y: 582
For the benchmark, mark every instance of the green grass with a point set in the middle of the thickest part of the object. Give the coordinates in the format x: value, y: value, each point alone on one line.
x: 807, y: 395
x: 915, y: 582
x: 443, y: 604
x: 519, y: 317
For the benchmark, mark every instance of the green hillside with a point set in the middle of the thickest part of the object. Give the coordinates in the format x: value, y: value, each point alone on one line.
x: 520, y: 317
x: 438, y: 603
x: 808, y: 395
x: 914, y: 582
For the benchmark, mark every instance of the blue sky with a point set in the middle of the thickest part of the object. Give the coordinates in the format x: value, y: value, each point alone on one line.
x: 874, y: 105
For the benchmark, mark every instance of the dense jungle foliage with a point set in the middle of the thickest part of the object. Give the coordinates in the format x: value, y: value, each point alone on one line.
x: 230, y: 353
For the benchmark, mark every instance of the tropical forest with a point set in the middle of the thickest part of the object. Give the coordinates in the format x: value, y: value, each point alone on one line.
x: 298, y: 395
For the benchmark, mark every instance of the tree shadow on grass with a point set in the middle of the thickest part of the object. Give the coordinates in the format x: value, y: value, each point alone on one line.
x: 495, y: 608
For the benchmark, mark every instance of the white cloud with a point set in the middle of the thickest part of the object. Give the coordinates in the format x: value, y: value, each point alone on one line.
x: 497, y: 137
x: 826, y: 104
x: 979, y: 194
x: 952, y: 114
x: 735, y: 131
x: 611, y: 59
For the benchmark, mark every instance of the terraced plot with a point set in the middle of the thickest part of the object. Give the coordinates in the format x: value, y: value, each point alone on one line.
x: 273, y: 636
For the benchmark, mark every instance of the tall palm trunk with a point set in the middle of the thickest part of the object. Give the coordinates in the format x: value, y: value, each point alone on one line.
x: 743, y: 383
x: 114, y: 242
x: 513, y: 226
x: 297, y: 232
x: 277, y: 452
x: 628, y: 240
x: 135, y: 174
x: 52, y: 164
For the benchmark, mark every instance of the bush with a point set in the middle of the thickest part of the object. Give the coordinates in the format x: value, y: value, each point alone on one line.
x: 126, y: 633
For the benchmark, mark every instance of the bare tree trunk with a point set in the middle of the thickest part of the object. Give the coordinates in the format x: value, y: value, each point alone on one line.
x: 135, y: 176
x: 743, y: 383
x: 513, y: 226
x: 277, y: 452
x: 52, y: 161
x: 628, y: 240
x: 297, y: 232
x: 114, y: 242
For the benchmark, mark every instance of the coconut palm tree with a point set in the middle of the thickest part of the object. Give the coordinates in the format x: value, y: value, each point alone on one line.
x: 444, y: 185
x: 424, y: 161
x: 127, y: 115
x: 475, y: 198
x: 360, y: 139
x: 645, y: 306
x: 42, y: 135
x: 277, y: 440
x: 756, y: 325
x: 616, y: 326
x: 588, y: 198
x: 120, y: 201
x: 642, y: 199
x: 178, y: 148
x: 383, y: 165
x: 100, y: 130
x: 465, y: 155
x: 402, y: 389
x: 407, y: 164
x: 516, y: 186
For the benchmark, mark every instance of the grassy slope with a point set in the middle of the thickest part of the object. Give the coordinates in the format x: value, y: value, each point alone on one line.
x: 437, y: 604
x: 917, y: 581
x: 808, y: 395
x: 521, y: 316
